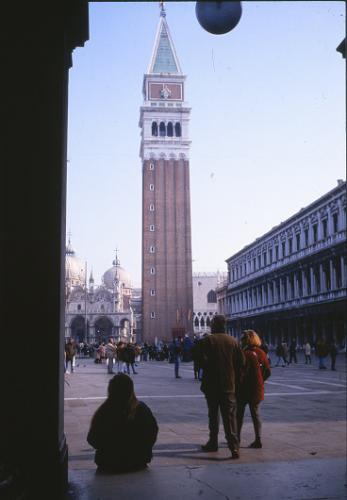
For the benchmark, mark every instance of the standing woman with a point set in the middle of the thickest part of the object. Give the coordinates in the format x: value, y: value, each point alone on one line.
x: 256, y: 371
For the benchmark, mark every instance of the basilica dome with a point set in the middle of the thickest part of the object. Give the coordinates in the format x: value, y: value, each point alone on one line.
x: 74, y: 268
x: 109, y: 276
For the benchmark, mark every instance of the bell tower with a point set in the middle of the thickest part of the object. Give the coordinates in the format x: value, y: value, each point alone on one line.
x: 167, y: 293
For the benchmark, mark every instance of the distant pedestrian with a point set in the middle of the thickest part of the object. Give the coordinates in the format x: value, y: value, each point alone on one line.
x: 280, y: 355
x: 70, y: 353
x: 322, y: 352
x: 122, y: 357
x: 285, y: 352
x: 130, y: 358
x: 292, y: 351
x: 307, y: 352
x: 111, y: 354
x: 196, y: 358
x: 264, y: 346
x: 123, y: 430
x: 222, y: 361
x: 333, y: 353
x: 176, y: 351
x: 256, y: 371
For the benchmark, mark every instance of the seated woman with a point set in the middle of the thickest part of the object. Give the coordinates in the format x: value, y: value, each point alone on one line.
x: 256, y: 371
x: 123, y: 430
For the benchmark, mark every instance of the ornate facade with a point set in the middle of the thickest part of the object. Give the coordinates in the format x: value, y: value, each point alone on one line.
x: 291, y: 282
x: 205, y: 300
x: 92, y: 314
x: 167, y: 295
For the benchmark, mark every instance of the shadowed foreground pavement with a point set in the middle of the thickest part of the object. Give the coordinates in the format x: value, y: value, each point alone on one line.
x: 304, y: 437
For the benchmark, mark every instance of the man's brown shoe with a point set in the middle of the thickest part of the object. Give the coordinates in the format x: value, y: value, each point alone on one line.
x: 235, y: 454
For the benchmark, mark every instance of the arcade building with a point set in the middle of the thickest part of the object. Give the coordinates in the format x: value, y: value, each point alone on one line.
x: 291, y: 282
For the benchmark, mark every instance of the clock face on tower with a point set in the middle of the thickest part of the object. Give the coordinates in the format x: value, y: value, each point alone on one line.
x: 165, y: 91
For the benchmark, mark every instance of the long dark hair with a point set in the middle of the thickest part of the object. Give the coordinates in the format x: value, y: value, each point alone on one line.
x: 121, y: 395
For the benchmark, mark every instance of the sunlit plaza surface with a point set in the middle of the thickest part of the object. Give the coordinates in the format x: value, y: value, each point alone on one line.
x: 304, y: 437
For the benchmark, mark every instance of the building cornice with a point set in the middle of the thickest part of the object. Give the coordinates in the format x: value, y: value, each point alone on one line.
x: 338, y: 192
x: 333, y: 243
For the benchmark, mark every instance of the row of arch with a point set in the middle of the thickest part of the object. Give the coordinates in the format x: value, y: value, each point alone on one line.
x: 103, y: 328
x: 169, y: 130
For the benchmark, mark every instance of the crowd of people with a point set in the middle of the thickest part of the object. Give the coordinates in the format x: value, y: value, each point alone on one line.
x: 322, y: 349
x: 232, y: 375
x: 126, y: 355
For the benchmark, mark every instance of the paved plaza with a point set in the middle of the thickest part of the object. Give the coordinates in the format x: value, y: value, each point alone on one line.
x: 304, y: 437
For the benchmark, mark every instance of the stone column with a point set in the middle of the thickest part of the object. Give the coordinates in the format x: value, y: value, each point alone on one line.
x: 37, y: 42
x: 304, y: 283
x: 274, y: 298
x: 313, y: 282
x: 332, y: 274
x: 263, y: 295
x: 282, y: 294
x: 289, y: 294
x: 296, y: 286
x: 323, y: 281
x: 343, y: 271
x: 269, y: 294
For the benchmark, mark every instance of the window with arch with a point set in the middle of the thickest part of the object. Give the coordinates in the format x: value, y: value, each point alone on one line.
x: 170, y: 129
x: 196, y: 322
x: 325, y: 227
x: 202, y: 322
x: 315, y: 232
x: 151, y: 207
x: 151, y: 166
x: 151, y: 187
x: 212, y: 297
x: 151, y: 227
x: 306, y: 237
x: 162, y: 129
x: 290, y: 246
x: 155, y: 129
x: 152, y: 249
x: 178, y: 129
x: 152, y: 292
x: 297, y: 241
x: 152, y: 314
x: 208, y: 322
x: 152, y: 270
x: 79, y: 307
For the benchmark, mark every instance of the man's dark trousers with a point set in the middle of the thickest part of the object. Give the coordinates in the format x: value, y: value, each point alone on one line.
x: 226, y: 403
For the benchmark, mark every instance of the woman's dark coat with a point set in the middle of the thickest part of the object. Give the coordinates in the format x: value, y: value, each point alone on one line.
x: 122, y: 443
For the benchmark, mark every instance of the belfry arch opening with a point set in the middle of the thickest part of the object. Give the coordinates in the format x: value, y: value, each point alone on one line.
x: 162, y: 129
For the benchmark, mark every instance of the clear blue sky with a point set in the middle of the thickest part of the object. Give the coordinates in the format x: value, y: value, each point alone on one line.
x: 267, y: 124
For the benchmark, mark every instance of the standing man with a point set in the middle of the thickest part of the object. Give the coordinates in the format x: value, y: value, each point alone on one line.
x: 70, y: 353
x: 176, y: 350
x: 307, y: 352
x: 222, y: 361
x: 111, y: 353
x: 292, y: 352
x: 333, y: 353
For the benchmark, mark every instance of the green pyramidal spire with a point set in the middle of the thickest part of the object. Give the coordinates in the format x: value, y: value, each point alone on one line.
x: 164, y: 59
